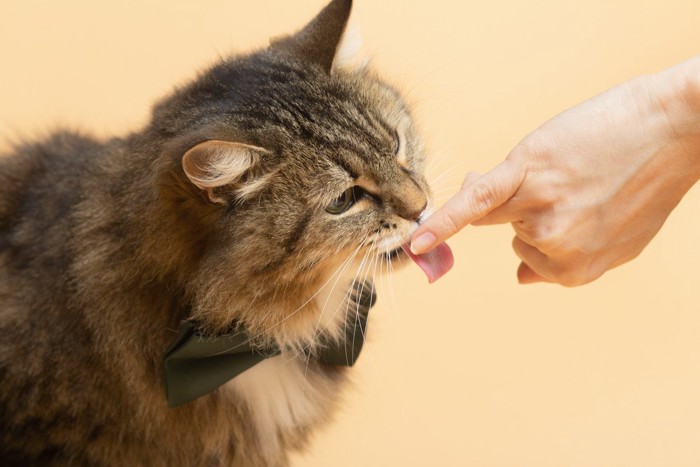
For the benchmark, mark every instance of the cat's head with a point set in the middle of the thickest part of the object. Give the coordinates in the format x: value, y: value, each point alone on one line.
x: 301, y: 172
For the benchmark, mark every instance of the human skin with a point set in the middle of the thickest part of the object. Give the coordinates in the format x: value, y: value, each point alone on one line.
x: 590, y: 188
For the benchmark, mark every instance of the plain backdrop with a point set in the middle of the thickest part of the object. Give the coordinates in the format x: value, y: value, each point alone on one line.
x: 473, y: 370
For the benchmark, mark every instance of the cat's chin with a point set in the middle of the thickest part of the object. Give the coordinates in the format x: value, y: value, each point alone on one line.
x: 397, y: 257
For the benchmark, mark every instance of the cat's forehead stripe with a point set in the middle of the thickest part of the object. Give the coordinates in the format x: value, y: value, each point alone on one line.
x: 320, y: 113
x: 378, y: 122
x: 343, y: 164
x: 335, y: 127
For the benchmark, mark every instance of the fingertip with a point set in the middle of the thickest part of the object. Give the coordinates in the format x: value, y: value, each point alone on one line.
x: 423, y: 242
x: 527, y: 276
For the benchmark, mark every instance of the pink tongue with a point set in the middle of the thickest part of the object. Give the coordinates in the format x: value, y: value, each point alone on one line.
x: 435, y: 263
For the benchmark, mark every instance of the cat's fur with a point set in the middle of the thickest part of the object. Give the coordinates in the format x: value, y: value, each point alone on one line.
x: 216, y: 211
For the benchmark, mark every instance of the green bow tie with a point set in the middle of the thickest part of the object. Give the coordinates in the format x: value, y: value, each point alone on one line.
x: 196, y: 364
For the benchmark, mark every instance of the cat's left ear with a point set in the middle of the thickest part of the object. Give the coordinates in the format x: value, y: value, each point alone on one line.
x: 327, y: 40
x: 214, y: 164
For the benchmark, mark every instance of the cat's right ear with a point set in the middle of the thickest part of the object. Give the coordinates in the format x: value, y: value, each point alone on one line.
x: 213, y: 164
x: 326, y: 40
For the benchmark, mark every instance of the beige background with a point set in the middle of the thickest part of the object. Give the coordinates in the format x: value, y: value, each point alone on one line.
x: 474, y: 370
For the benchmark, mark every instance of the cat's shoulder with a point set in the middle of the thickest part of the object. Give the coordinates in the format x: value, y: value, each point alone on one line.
x: 35, y: 170
x: 57, y: 146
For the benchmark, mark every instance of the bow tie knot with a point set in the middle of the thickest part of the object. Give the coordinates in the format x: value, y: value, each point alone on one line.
x: 196, y: 364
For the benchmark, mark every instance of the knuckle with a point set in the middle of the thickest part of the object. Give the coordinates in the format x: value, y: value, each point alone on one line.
x: 551, y: 244
x: 537, y: 143
x: 545, y: 235
x: 569, y: 277
x: 578, y: 272
x: 556, y: 235
x: 482, y: 199
x: 594, y: 271
x: 469, y: 178
x: 451, y: 222
x: 557, y: 271
x: 571, y: 281
x: 548, y: 196
x: 516, y: 244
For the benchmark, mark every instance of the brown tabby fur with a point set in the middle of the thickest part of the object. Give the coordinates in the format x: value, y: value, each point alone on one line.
x: 105, y: 246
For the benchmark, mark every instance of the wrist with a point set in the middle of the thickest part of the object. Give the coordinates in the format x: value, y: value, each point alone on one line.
x: 689, y: 89
x: 676, y: 94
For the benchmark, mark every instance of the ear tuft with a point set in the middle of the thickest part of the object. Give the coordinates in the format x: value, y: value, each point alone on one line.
x: 318, y: 42
x: 349, y: 55
x: 213, y: 164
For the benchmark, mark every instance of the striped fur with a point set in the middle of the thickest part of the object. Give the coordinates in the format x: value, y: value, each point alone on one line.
x: 105, y: 246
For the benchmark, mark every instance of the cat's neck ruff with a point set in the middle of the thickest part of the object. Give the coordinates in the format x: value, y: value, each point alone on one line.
x: 286, y: 393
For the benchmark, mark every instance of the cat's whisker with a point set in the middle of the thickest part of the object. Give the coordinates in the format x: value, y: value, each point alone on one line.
x: 317, y: 333
x: 437, y: 157
x: 447, y: 192
x: 451, y: 184
x: 346, y: 300
x: 444, y: 187
x: 386, y: 263
x: 374, y: 274
x: 357, y: 308
x: 441, y: 198
x: 447, y: 188
x: 325, y: 304
x: 447, y: 174
x: 451, y: 172
x: 380, y: 281
x: 348, y: 295
x: 438, y: 166
x: 223, y: 211
x: 357, y: 314
x: 337, y: 274
x: 435, y: 162
x: 395, y: 310
x: 392, y: 298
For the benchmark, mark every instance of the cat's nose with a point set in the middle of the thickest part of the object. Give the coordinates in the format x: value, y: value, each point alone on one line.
x: 408, y: 200
x: 416, y: 215
x: 412, y: 211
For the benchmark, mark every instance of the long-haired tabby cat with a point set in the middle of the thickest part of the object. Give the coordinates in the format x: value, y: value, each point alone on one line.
x: 252, y: 200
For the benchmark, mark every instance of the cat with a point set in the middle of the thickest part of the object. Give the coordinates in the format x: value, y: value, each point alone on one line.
x: 263, y: 196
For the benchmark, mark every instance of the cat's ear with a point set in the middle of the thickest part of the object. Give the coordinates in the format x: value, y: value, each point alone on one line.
x: 214, y: 164
x: 326, y: 40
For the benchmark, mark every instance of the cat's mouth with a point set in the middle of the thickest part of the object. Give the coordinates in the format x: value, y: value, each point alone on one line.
x: 392, y: 248
x: 395, y: 254
x: 434, y: 264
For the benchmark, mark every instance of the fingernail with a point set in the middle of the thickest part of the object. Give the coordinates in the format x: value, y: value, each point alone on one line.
x: 422, y: 243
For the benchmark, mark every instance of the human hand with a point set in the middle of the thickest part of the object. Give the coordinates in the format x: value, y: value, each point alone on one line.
x: 589, y: 189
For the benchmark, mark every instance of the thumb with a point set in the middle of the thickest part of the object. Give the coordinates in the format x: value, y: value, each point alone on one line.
x: 476, y: 199
x: 527, y: 276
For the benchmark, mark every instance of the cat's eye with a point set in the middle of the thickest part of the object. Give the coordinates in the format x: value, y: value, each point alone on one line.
x: 397, y: 143
x: 343, y: 202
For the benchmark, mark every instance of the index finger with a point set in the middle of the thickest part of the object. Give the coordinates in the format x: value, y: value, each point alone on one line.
x: 472, y: 202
